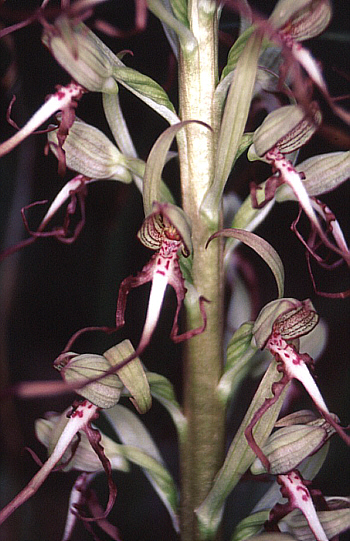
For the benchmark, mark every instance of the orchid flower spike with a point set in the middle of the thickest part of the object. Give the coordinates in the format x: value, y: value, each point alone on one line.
x: 166, y: 230
x: 79, y: 419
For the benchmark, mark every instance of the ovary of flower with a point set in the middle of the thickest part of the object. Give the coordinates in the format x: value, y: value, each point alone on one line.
x: 299, y: 497
x: 294, y: 366
x: 63, y: 98
x: 84, y: 413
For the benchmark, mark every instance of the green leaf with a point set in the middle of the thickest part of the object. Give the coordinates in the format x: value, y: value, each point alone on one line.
x: 236, y: 51
x: 132, y: 375
x: 261, y: 247
x: 234, y: 120
x: 163, y: 391
x: 240, y: 455
x: 180, y: 10
x: 141, y: 449
x: 239, y: 361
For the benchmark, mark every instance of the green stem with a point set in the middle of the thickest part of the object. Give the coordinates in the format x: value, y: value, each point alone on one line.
x: 203, y: 449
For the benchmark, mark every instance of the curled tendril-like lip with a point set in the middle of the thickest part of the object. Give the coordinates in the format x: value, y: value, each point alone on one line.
x: 76, y: 191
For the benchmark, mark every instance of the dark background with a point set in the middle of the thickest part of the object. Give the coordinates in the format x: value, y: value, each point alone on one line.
x: 49, y: 290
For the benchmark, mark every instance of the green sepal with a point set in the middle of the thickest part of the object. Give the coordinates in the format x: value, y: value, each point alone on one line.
x: 89, y: 152
x: 289, y: 446
x: 82, y: 54
x: 132, y: 375
x: 80, y: 369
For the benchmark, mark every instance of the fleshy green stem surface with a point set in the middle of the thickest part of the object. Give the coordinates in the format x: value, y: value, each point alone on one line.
x: 203, y: 450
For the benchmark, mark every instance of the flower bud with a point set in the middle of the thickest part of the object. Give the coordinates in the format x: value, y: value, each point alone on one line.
x: 301, y: 19
x: 297, y: 322
x: 263, y: 325
x: 77, y: 369
x: 86, y: 58
x: 289, y: 446
x: 166, y: 220
x: 287, y: 129
x: 89, y: 152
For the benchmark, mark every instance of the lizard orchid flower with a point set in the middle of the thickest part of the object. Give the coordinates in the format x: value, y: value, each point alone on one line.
x: 287, y: 326
x: 161, y: 232
x: 78, y: 419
